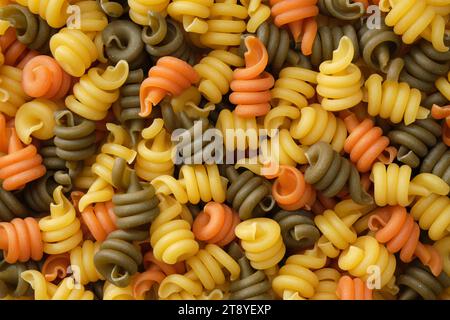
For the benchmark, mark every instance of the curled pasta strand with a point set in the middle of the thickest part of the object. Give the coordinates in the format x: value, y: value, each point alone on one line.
x: 353, y: 289
x: 139, y: 9
x: 191, y: 13
x: 82, y: 262
x: 56, y: 266
x: 14, y: 52
x: 10, y: 85
x: 328, y: 282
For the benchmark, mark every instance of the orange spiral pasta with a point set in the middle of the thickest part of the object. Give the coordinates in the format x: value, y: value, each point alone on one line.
x: 56, y: 266
x: 299, y: 16
x: 438, y: 112
x: 397, y: 229
x: 21, y: 165
x: 42, y: 77
x: 251, y: 85
x: 15, y: 53
x: 290, y: 190
x: 216, y: 224
x: 21, y: 240
x: 366, y: 143
x: 170, y: 75
x: 353, y: 289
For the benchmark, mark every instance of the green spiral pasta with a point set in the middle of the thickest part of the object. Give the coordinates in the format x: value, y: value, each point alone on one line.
x: 418, y: 282
x: 437, y: 162
x: 329, y: 173
x: 129, y: 105
x: 297, y: 229
x: 378, y: 45
x: 63, y: 172
x: 415, y: 140
x: 250, y: 195
x: 277, y: 42
x: 113, y: 8
x: 31, y: 30
x: 252, y: 284
x: 122, y: 41
x: 38, y: 195
x: 327, y: 40
x: 341, y: 9
x: 164, y: 37
x: 11, y: 206
x: 11, y: 283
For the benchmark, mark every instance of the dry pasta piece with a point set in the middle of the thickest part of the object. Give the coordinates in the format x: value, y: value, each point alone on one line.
x: 56, y: 266
x: 353, y: 289
x: 170, y: 76
x: 251, y: 84
x: 21, y: 165
x: 14, y: 52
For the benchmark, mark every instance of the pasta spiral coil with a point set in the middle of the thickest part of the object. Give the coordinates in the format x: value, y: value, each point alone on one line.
x: 53, y: 11
x: 21, y: 240
x: 295, y: 280
x: 216, y: 74
x: 250, y: 195
x: 252, y: 284
x: 415, y: 140
x: 97, y: 90
x: 31, y: 30
x: 353, y: 289
x: 437, y: 162
x: 262, y: 242
x: 342, y: 9
x: 14, y: 52
x: 328, y: 281
x: 38, y: 194
x: 364, y: 252
x: 170, y: 233
x: 82, y: 262
x: 251, y: 84
x: 11, y: 207
x: 10, y: 82
x: 73, y: 50
x: 393, y: 226
x: 113, y: 8
x: 197, y: 182
x: 339, y: 81
x: 329, y: 173
x: 383, y: 100
x: 191, y: 13
x: 297, y: 229
x: 61, y: 229
x: 433, y: 214
x: 139, y: 9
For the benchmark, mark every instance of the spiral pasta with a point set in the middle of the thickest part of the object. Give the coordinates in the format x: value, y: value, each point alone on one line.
x: 258, y: 13
x: 216, y: 74
x: 15, y: 53
x: 342, y: 9
x: 38, y: 194
x: 432, y: 213
x: 92, y: 19
x: 169, y: 76
x: 61, y: 229
x: 399, y: 189
x: 328, y: 282
x: 21, y: 165
x: 197, y: 182
x: 139, y: 9
x: 366, y: 252
x: 56, y: 267
x: 11, y: 207
x: 191, y: 13
x: 10, y: 78
x: 21, y: 240
x: 339, y: 81
x: 262, y: 242
x: 82, y: 262
x: 295, y: 280
x: 73, y: 50
x: 329, y: 173
x: 353, y: 289
x: 437, y: 162
x: 97, y: 90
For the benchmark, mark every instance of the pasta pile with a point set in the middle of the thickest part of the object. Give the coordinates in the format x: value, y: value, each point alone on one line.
x: 225, y: 149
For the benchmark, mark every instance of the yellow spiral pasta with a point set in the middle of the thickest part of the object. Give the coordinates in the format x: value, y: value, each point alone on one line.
x: 293, y: 87
x: 216, y: 74
x: 295, y: 280
x: 99, y: 191
x: 238, y: 133
x: 117, y: 146
x: 205, y: 272
x: 225, y: 24
x: 195, y: 183
x: 170, y: 233
x: 393, y: 100
x: 61, y: 229
x: 154, y: 152
x: 367, y: 253
x: 112, y: 292
x: 328, y: 280
x: 443, y: 247
x: 262, y: 242
x: 139, y: 9
x: 433, y: 214
x: 349, y: 207
x: 192, y: 13
x: 35, y: 118
x: 82, y: 262
x: 97, y: 90
x: 258, y: 12
x: 73, y: 50
x: 53, y: 11
x: 316, y: 124
x: 393, y: 184
x: 12, y: 95
x: 339, y: 80
x: 337, y: 233
x: 443, y: 85
x: 92, y: 18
